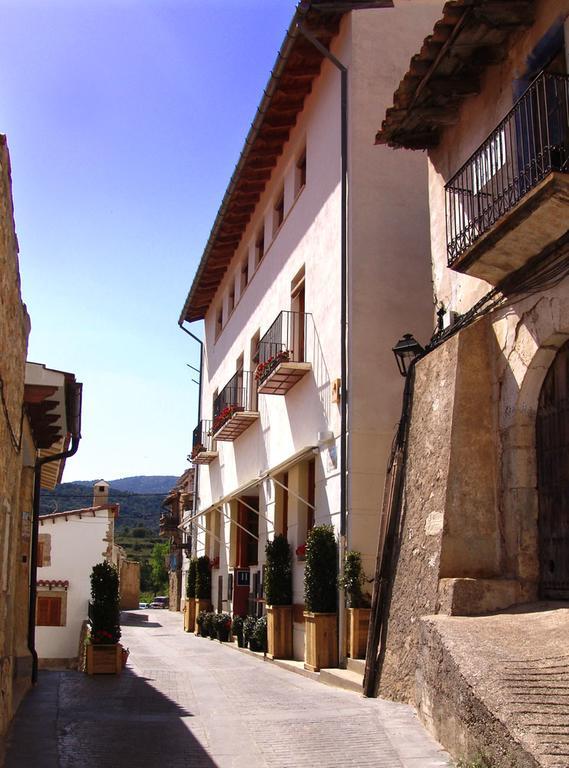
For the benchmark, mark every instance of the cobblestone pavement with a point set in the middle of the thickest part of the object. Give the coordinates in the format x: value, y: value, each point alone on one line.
x: 187, y: 702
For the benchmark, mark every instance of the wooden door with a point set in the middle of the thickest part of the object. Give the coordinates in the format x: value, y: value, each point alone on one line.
x: 552, y: 440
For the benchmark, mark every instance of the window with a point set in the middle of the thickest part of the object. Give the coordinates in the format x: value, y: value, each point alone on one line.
x: 218, y: 321
x: 44, y: 550
x: 300, y: 177
x: 311, y: 494
x: 231, y: 301
x: 260, y: 246
x: 244, y: 276
x: 282, y: 505
x: 278, y: 217
x: 254, y: 356
x: 50, y: 610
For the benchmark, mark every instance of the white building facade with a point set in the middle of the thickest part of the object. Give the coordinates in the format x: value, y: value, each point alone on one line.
x: 270, y: 291
x: 70, y: 544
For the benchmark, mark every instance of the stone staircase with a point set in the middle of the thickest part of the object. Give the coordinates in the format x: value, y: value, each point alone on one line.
x: 351, y: 679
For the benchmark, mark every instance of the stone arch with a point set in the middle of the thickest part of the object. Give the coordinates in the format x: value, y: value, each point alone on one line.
x: 536, y: 337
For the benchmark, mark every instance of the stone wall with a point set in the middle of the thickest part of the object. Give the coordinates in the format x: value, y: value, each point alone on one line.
x: 448, y: 556
x: 129, y: 584
x: 14, y: 330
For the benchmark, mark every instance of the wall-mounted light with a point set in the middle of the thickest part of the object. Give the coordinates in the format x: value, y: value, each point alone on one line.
x: 405, y: 351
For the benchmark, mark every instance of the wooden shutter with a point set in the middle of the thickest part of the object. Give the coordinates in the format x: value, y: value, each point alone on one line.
x: 39, y: 558
x: 48, y: 611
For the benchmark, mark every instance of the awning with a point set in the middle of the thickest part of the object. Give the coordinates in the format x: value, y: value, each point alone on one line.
x: 278, y: 469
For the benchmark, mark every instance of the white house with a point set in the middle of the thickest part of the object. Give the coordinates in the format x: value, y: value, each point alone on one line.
x: 70, y: 544
x: 312, y: 252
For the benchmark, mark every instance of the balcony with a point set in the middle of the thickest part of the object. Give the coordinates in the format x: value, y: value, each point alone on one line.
x: 234, y: 409
x: 283, y: 353
x: 168, y: 524
x: 204, y: 450
x: 511, y: 198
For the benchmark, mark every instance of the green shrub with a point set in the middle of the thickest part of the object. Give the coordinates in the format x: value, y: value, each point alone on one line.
x: 202, y: 623
x: 260, y: 634
x: 321, y: 570
x: 237, y: 629
x: 222, y: 623
x: 278, y: 571
x: 248, y: 629
x: 104, y: 613
x: 191, y: 581
x: 203, y: 578
x: 353, y: 581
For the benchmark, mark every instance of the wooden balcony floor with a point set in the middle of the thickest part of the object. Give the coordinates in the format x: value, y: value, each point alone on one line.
x: 205, y: 457
x: 236, y: 425
x: 283, y: 378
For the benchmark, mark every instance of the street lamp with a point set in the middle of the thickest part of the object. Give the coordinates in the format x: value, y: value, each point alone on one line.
x: 405, y: 351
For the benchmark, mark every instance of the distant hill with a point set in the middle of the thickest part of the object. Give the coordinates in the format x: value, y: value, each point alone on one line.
x: 140, y: 498
x: 144, y: 483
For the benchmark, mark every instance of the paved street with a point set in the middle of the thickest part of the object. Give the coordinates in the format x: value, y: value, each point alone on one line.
x: 187, y: 702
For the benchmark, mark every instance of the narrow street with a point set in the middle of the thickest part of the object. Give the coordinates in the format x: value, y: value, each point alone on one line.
x: 187, y: 702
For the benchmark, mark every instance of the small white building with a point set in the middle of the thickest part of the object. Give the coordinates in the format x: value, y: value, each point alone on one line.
x: 70, y: 544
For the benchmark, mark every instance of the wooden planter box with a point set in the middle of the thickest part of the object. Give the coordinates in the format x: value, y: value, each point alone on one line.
x: 190, y: 614
x: 199, y: 606
x: 320, y: 640
x: 104, y: 659
x: 279, y: 631
x: 358, y: 625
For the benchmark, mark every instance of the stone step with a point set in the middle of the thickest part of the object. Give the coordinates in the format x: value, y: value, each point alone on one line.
x: 342, y: 678
x: 357, y: 665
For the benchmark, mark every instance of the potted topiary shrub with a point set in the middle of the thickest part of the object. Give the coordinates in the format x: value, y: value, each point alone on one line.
x: 190, y: 606
x: 104, y: 652
x: 248, y: 630
x: 260, y: 634
x: 203, y: 585
x: 358, y: 603
x: 237, y: 629
x: 222, y: 626
x: 278, y: 591
x: 321, y: 598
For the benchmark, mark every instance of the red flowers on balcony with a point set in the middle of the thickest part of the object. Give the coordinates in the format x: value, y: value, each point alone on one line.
x: 222, y: 417
x: 268, y: 366
x: 301, y: 551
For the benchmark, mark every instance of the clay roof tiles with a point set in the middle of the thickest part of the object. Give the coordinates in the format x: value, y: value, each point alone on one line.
x: 470, y: 36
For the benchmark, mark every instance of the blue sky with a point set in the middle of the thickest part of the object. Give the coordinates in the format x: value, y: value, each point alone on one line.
x: 124, y: 120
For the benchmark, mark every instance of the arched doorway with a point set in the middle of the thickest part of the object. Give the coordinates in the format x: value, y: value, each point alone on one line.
x: 552, y: 445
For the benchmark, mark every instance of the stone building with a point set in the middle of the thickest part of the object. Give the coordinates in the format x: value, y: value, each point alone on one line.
x: 483, y: 524
x: 39, y: 427
x: 176, y: 504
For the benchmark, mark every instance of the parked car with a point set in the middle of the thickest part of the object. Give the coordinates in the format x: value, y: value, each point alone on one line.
x: 159, y: 602
x: 143, y: 605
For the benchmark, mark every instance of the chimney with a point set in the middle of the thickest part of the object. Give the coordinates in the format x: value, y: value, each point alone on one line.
x: 100, y: 493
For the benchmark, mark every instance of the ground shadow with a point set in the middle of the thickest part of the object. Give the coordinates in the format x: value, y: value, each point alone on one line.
x: 72, y: 720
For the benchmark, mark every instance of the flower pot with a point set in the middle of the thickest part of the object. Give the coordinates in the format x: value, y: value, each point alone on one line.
x: 279, y: 631
x: 190, y: 614
x: 320, y: 640
x: 104, y: 659
x: 223, y: 634
x: 240, y: 642
x: 358, y: 625
x: 199, y: 606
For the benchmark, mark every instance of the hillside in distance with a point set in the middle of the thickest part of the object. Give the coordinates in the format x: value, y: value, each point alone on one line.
x: 140, y: 498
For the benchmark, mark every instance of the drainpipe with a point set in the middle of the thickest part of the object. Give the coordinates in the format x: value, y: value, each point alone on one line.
x: 75, y: 439
x: 197, y: 472
x: 343, y: 331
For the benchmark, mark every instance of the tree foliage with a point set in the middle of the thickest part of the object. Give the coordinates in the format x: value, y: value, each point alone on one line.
x: 278, y: 571
x: 321, y: 570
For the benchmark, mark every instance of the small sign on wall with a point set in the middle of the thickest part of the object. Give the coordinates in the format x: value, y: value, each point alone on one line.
x: 243, y: 578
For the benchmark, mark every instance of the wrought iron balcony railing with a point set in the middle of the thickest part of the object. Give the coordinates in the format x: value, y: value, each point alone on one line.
x: 529, y: 143
x: 168, y: 524
x: 234, y: 409
x: 204, y: 450
x: 284, y: 352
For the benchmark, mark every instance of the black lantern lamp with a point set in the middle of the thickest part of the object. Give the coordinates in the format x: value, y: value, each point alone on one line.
x: 405, y: 351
